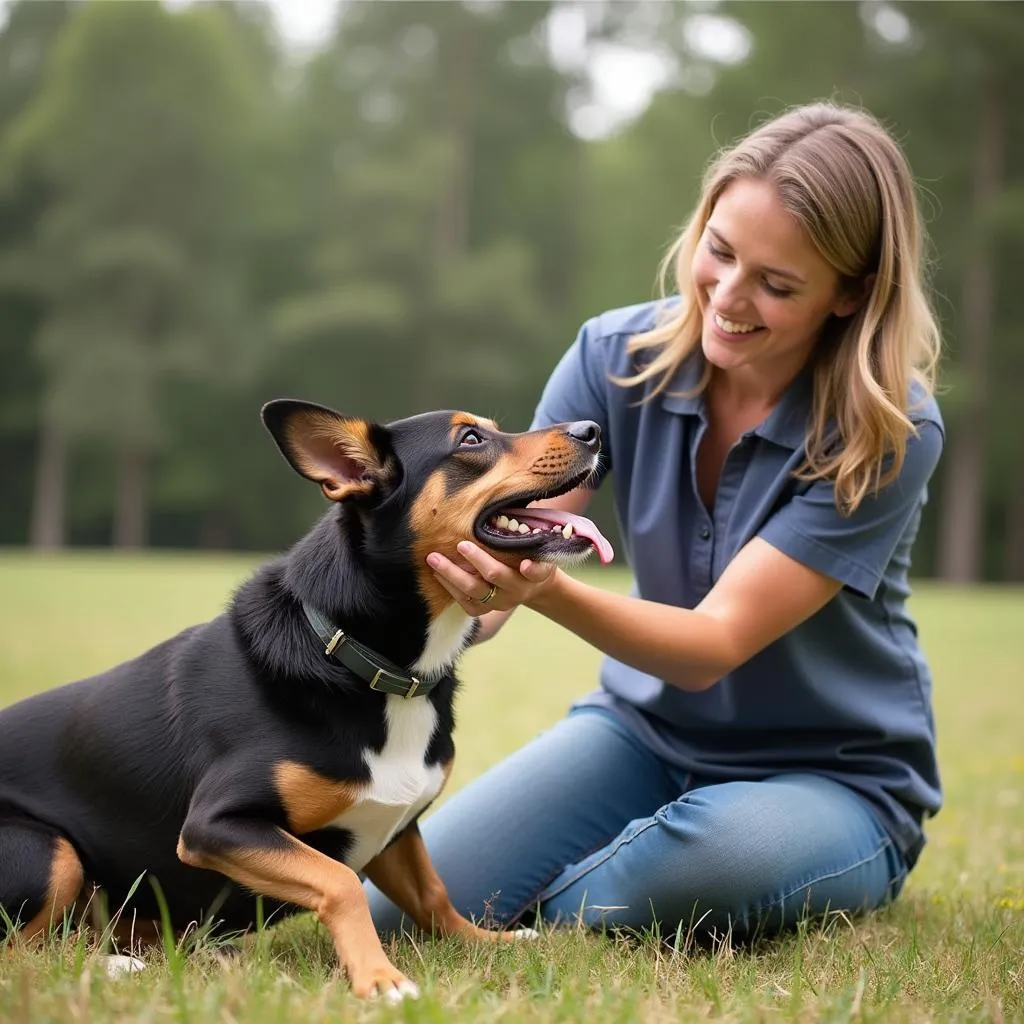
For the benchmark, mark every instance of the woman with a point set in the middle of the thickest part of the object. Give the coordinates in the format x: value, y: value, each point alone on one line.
x: 762, y: 745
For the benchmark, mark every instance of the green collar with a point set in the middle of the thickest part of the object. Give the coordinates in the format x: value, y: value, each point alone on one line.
x: 382, y: 675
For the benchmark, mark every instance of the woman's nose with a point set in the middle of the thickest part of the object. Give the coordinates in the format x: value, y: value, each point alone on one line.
x: 728, y: 291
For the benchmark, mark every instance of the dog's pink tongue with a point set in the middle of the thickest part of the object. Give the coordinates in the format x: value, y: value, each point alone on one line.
x: 581, y: 526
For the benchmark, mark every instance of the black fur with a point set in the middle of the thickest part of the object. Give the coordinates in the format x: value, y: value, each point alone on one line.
x: 26, y: 849
x: 182, y: 740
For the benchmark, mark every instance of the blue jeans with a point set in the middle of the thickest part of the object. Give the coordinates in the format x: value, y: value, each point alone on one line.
x: 586, y: 824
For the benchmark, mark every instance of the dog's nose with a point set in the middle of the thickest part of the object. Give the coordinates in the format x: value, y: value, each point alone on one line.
x: 586, y: 431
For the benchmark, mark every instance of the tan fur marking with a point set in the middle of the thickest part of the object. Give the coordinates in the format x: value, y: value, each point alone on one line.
x: 309, y: 430
x: 538, y: 461
x: 66, y: 880
x: 430, y: 506
x: 311, y: 800
x: 301, y: 875
x: 466, y: 419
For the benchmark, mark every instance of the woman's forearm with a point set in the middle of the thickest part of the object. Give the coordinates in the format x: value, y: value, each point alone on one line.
x: 688, y: 649
x: 490, y: 624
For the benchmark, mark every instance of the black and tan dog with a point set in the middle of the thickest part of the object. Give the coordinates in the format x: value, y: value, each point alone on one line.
x: 291, y: 743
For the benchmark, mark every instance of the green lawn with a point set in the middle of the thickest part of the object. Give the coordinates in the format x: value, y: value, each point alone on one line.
x: 951, y: 949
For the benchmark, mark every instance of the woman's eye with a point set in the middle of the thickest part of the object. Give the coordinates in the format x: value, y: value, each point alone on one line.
x: 719, y: 254
x: 471, y: 437
x: 779, y: 293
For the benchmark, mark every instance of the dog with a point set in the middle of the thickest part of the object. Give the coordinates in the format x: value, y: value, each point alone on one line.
x: 287, y: 748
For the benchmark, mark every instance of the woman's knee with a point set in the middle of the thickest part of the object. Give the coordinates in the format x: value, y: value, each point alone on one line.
x: 736, y: 856
x: 782, y: 848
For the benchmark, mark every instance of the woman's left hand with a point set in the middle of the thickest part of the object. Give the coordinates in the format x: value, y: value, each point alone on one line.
x: 488, y: 585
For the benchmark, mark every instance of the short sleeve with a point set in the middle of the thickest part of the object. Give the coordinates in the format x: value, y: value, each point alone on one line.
x: 578, y: 388
x: 856, y: 549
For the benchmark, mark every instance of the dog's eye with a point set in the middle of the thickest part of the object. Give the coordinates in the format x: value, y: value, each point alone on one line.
x: 471, y: 437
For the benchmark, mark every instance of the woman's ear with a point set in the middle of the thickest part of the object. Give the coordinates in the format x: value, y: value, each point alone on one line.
x: 851, y: 299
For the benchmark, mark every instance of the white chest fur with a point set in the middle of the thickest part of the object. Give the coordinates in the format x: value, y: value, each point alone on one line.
x: 446, y: 637
x: 400, y: 785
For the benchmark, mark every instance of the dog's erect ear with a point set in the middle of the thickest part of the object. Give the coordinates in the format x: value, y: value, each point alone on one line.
x: 345, y: 455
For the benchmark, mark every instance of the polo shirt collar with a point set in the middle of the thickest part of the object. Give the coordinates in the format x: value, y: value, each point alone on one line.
x: 785, y: 425
x: 677, y: 396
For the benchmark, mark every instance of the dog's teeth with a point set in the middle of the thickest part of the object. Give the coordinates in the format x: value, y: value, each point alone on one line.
x: 512, y: 525
x: 567, y: 531
x: 556, y: 528
x: 536, y: 531
x: 523, y: 528
x: 502, y: 521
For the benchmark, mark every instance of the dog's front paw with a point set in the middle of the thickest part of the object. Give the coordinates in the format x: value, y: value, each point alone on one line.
x: 118, y: 966
x: 383, y: 981
x: 405, y: 990
x: 513, y: 935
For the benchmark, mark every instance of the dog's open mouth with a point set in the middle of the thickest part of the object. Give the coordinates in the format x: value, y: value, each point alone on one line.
x: 547, y: 534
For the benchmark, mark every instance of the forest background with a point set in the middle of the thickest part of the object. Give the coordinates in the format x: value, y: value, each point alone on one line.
x: 416, y: 210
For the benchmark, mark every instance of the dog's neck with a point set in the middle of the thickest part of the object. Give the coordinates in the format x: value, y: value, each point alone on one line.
x: 377, y: 601
x: 448, y: 635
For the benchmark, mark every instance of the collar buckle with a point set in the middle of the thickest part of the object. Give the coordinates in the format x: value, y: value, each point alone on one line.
x: 382, y: 675
x: 335, y: 642
x: 392, y: 684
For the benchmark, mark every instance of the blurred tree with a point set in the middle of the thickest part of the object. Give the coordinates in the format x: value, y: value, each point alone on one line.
x: 194, y: 219
x: 943, y: 77
x: 217, y: 479
x: 26, y: 39
x: 439, y: 175
x: 951, y: 76
x: 142, y: 131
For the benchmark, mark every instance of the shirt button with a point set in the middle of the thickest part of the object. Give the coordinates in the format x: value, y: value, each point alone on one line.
x: 705, y: 533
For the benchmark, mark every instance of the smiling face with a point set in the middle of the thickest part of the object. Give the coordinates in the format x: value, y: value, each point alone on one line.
x: 764, y: 291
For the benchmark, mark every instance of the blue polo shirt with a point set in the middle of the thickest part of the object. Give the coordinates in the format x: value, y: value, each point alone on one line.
x: 846, y: 694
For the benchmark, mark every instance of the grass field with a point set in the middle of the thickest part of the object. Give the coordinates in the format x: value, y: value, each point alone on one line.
x: 951, y: 949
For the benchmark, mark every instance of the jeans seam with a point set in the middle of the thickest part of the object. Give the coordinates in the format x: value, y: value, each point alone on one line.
x: 630, y: 737
x: 612, y: 850
x: 542, y: 893
x: 887, y: 843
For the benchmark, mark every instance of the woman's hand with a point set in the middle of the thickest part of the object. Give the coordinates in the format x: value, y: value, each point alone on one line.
x: 487, y: 585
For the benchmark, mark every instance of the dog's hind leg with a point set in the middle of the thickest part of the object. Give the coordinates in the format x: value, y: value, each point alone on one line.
x: 40, y: 877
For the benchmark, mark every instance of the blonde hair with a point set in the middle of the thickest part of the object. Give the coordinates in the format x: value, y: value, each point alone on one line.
x: 848, y: 184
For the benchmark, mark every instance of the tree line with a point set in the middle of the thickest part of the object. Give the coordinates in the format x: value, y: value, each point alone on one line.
x: 194, y: 219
